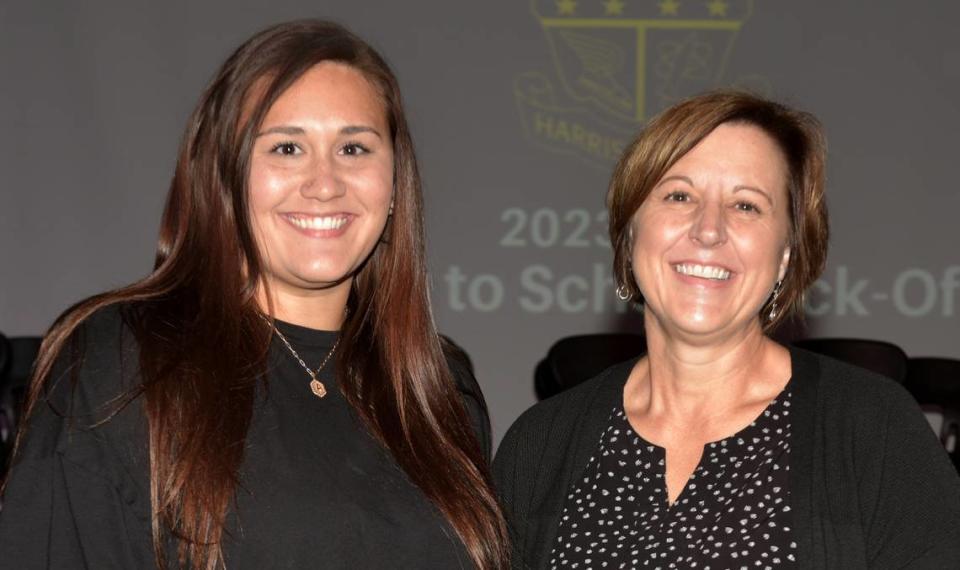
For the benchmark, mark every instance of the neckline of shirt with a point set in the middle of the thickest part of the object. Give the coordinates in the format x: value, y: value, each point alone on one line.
x: 305, y: 336
x: 780, y: 400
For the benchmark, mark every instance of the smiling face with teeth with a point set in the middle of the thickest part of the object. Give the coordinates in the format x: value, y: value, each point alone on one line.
x: 321, y: 182
x: 710, y: 240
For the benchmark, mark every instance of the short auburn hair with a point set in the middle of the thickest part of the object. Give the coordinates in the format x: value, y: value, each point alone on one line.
x: 675, y: 131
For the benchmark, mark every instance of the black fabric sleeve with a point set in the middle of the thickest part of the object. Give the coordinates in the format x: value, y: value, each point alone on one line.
x: 472, y: 397
x: 69, y: 502
x: 915, y: 520
x: 512, y: 488
x: 59, y: 514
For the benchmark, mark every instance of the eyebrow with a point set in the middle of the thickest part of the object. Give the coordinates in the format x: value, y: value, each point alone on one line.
x: 676, y: 177
x: 290, y: 130
x: 355, y: 129
x: 760, y: 191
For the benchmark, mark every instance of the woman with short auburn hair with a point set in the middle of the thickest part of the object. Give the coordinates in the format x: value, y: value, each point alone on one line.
x: 800, y: 139
x: 720, y: 448
x: 274, y: 394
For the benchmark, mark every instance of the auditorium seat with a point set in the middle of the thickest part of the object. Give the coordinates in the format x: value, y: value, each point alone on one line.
x: 6, y: 422
x: 946, y: 424
x: 4, y: 354
x: 16, y: 362
x: 878, y: 356
x: 935, y: 383
x: 574, y: 359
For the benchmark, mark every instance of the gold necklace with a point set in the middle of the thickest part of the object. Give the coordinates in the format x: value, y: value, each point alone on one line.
x: 316, y: 386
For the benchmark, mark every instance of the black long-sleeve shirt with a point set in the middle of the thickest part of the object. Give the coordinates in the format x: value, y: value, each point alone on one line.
x: 316, y: 490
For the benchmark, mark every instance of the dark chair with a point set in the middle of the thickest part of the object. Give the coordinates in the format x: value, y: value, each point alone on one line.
x: 17, y: 355
x: 935, y: 383
x: 574, y: 359
x: 4, y: 354
x: 946, y: 424
x: 878, y: 356
x: 6, y: 423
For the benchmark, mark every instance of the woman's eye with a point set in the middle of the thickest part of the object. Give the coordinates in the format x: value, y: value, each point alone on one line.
x: 286, y: 149
x: 354, y: 149
x: 747, y: 207
x: 677, y: 196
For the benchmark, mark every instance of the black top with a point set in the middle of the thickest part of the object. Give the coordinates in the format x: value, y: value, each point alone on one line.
x: 316, y: 489
x: 870, y: 484
x: 734, y: 510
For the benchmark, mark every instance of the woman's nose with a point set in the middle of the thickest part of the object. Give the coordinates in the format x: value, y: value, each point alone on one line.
x: 322, y: 181
x: 709, y: 227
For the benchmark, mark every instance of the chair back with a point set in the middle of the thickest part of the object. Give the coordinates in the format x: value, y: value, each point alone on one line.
x: 574, y: 359
x: 934, y: 381
x: 17, y: 355
x: 6, y: 422
x: 4, y: 355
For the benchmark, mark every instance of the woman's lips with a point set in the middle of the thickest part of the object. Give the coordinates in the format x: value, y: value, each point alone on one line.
x: 714, y: 272
x: 328, y: 225
x: 702, y: 274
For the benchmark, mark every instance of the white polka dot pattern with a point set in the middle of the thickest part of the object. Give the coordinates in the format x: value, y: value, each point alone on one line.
x: 733, y: 513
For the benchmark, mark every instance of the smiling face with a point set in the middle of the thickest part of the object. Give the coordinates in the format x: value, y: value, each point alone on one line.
x: 710, y: 241
x: 321, y: 180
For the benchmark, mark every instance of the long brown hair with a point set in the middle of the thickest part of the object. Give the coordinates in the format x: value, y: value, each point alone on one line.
x: 203, y: 345
x: 678, y: 129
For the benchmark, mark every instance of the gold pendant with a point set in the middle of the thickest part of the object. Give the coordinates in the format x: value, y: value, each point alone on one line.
x: 319, y: 390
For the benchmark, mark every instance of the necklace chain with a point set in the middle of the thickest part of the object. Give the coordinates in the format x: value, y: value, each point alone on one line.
x: 316, y: 386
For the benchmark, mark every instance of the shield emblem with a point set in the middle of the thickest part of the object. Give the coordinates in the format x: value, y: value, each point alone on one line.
x: 631, y: 59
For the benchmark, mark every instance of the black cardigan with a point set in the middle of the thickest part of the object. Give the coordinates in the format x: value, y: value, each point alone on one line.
x: 871, y: 487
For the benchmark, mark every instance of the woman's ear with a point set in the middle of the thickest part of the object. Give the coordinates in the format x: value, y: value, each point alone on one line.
x: 784, y: 263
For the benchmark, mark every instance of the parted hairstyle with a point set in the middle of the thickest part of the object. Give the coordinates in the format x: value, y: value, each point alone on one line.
x: 675, y: 131
x: 203, y: 343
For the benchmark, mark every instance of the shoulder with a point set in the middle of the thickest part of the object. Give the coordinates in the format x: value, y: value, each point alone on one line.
x: 105, y: 337
x: 93, y: 376
x: 545, y: 444
x: 557, y: 416
x: 876, y: 451
x: 108, y: 333
x: 97, y: 363
x: 851, y: 389
x: 461, y: 369
x: 856, y: 406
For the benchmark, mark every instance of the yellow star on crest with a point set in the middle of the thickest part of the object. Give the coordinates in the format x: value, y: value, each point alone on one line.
x: 670, y: 8
x: 566, y: 7
x: 613, y: 7
x: 717, y: 8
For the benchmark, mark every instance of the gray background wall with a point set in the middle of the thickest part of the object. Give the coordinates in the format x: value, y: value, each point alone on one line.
x: 518, y: 109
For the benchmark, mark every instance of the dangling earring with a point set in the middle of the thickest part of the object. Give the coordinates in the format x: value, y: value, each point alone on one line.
x: 622, y: 293
x: 773, y: 303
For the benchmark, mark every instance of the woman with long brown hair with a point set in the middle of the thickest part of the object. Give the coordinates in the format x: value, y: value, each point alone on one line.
x: 274, y: 393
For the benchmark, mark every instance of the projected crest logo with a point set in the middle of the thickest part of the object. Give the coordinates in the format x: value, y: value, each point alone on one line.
x: 618, y: 62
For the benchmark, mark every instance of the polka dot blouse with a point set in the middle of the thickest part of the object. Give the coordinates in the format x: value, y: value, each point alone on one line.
x: 733, y: 513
